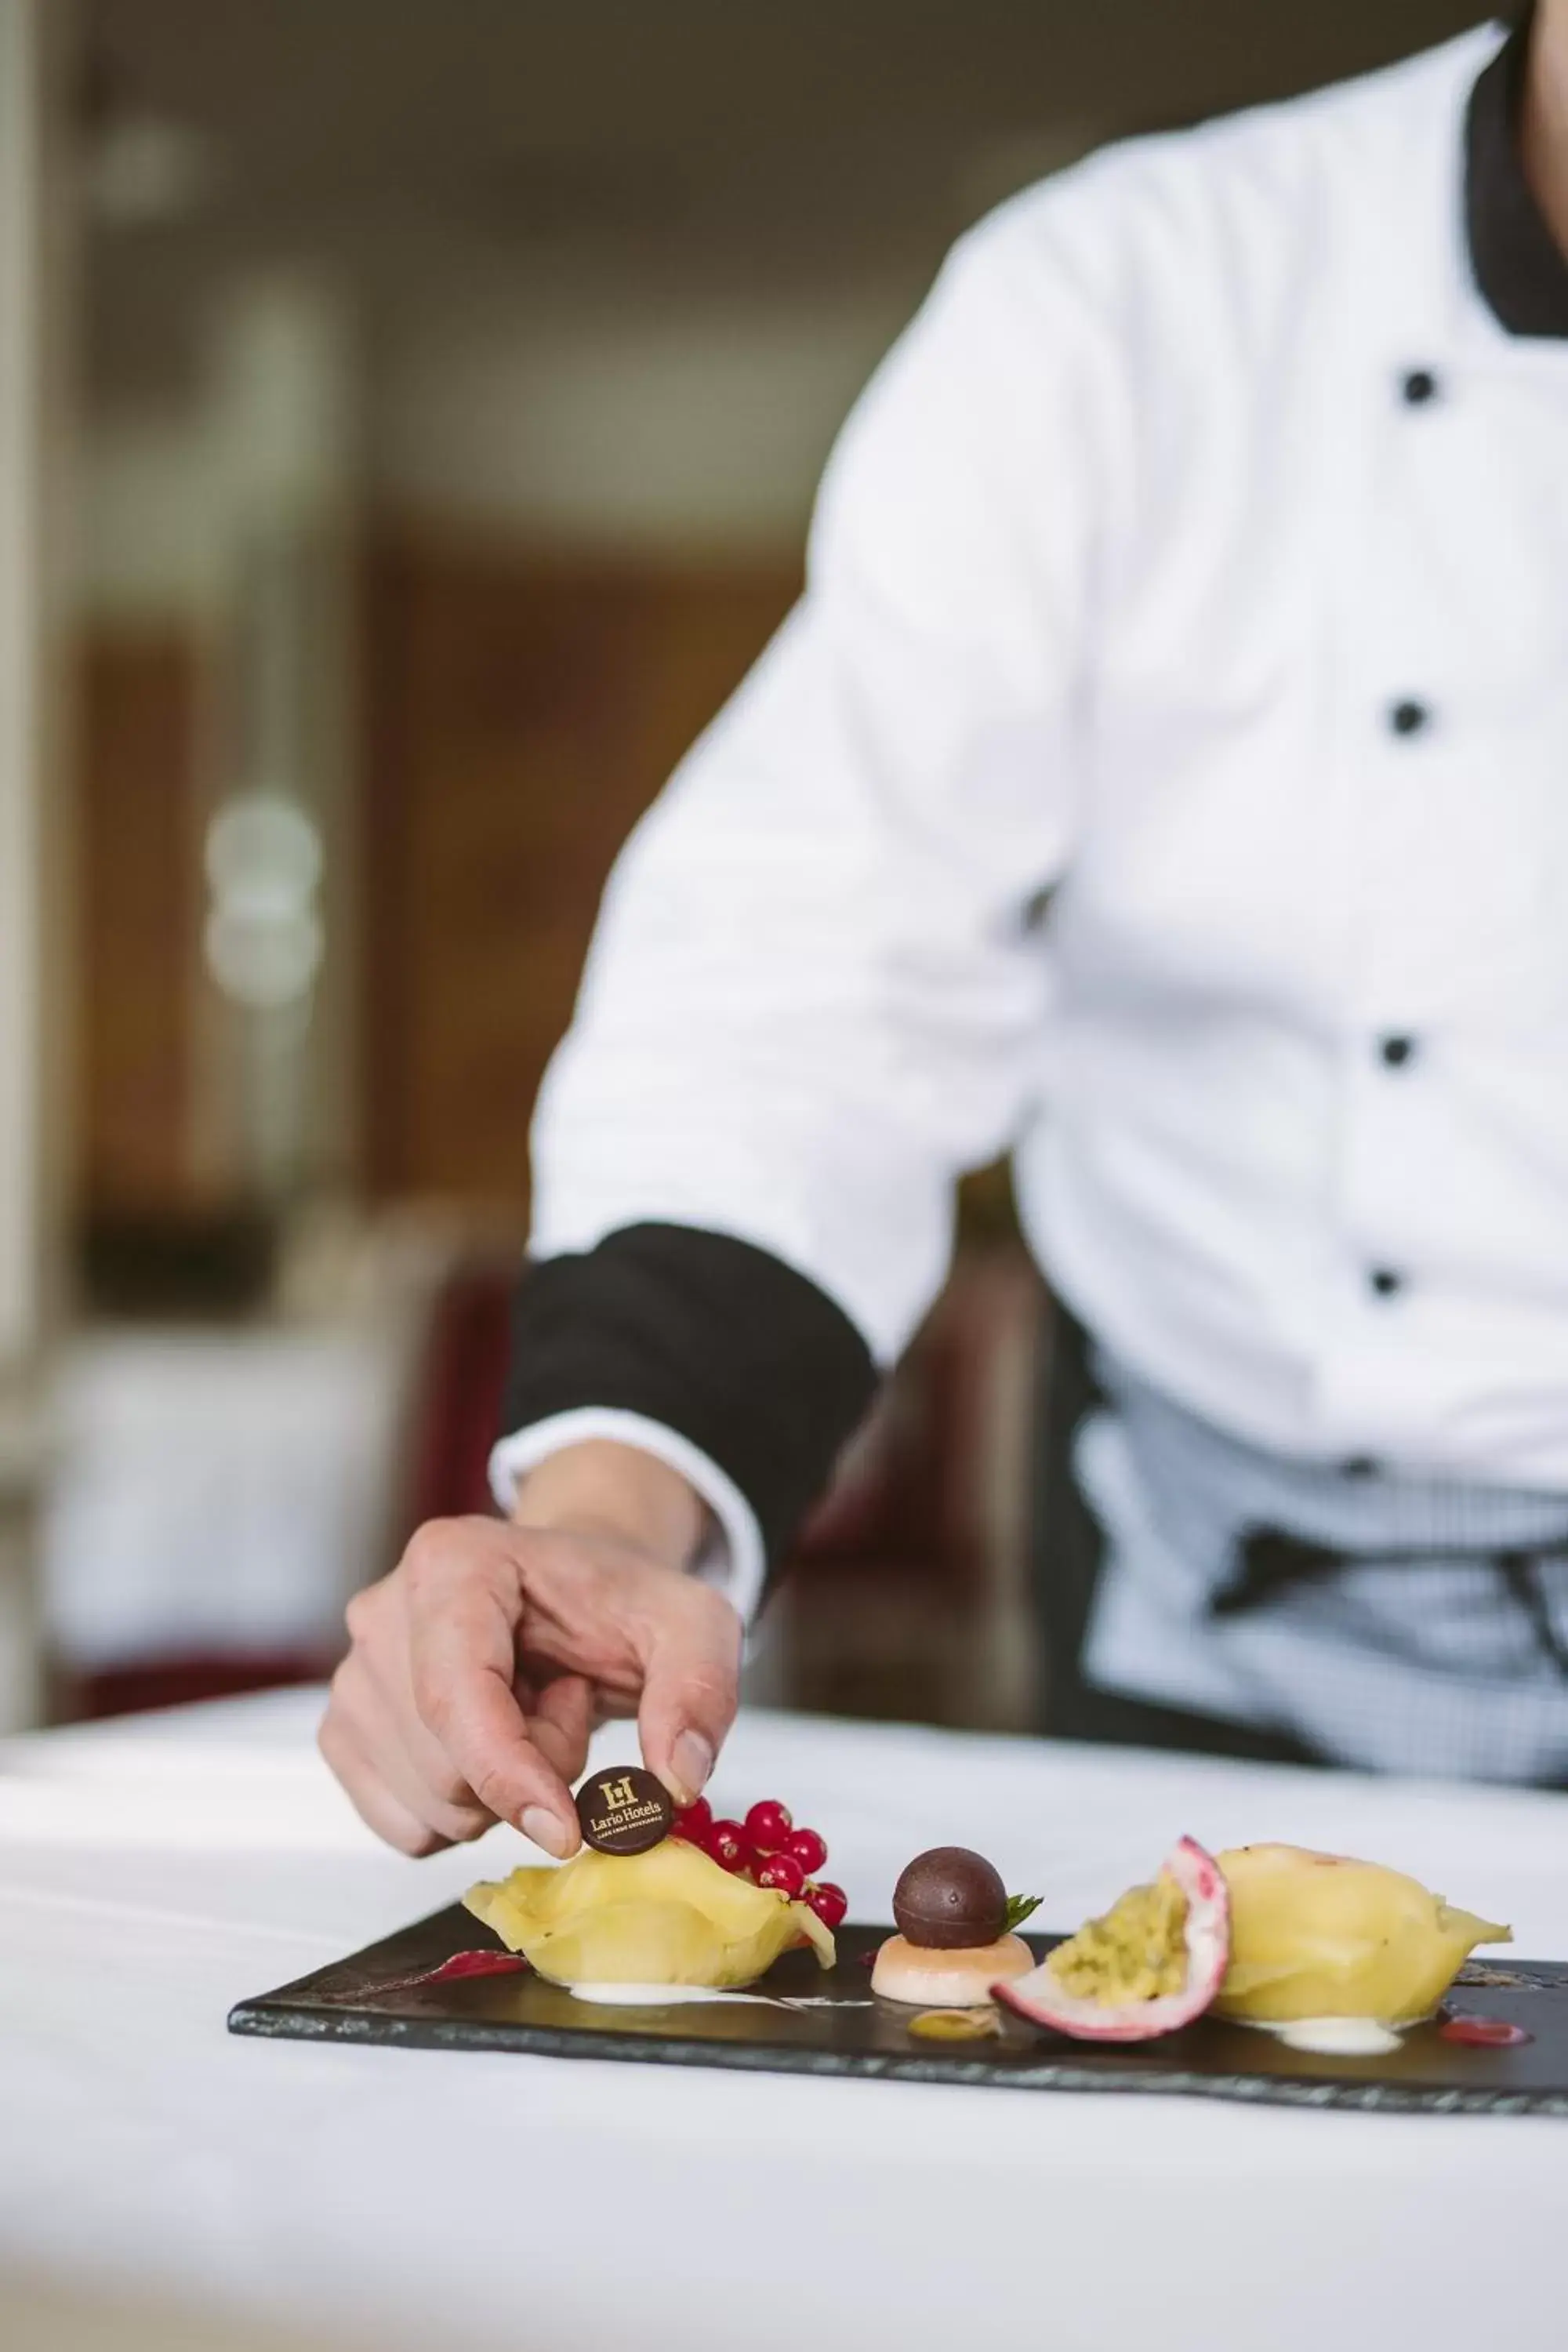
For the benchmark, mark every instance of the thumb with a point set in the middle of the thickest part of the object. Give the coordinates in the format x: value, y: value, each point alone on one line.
x: 691, y: 1677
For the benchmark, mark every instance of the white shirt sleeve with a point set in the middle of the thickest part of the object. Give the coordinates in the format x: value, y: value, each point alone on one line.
x: 814, y: 996
x: 731, y: 1559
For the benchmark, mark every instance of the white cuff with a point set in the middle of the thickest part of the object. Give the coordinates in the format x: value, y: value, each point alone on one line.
x: 731, y: 1558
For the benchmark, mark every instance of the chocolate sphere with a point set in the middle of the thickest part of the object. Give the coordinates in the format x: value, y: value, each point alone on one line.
x: 948, y: 1898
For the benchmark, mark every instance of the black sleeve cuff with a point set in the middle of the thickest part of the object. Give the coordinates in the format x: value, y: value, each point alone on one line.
x: 719, y: 1341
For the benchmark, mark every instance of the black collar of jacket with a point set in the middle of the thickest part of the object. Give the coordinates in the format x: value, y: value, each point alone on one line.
x: 1521, y: 269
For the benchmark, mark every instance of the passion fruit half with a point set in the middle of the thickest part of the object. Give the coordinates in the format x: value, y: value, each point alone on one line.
x: 1153, y: 1962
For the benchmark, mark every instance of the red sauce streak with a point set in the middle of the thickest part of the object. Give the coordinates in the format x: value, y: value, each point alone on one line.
x: 461, y: 1964
x: 1484, y: 2032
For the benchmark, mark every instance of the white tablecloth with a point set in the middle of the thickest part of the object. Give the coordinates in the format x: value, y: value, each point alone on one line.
x: 270, y: 1449
x: 152, y: 1872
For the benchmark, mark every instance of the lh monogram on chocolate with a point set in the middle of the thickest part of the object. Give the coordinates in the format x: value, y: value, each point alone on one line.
x: 624, y: 1810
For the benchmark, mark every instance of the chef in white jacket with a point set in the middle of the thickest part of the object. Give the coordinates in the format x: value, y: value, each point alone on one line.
x: 1164, y: 775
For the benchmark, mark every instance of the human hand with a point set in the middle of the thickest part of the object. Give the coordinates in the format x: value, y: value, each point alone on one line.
x: 478, y: 1668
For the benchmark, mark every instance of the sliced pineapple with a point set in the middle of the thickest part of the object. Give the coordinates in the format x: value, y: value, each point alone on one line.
x: 667, y: 1916
x: 1321, y: 1935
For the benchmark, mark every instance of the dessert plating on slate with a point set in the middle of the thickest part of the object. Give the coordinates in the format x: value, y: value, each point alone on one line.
x: 1348, y: 1977
x: 1331, y: 1954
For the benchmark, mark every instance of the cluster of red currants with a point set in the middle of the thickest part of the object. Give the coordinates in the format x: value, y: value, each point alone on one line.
x: 767, y: 1848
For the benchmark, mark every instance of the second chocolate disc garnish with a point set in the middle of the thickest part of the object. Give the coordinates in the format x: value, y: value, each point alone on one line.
x: 624, y: 1810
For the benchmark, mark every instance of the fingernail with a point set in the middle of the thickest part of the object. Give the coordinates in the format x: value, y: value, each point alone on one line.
x: 546, y: 1829
x: 691, y: 1761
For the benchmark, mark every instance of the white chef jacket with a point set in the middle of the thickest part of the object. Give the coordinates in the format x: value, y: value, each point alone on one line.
x: 1165, y: 774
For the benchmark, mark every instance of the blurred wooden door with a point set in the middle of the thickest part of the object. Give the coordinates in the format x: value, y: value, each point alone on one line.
x: 524, y: 712
x: 139, y: 911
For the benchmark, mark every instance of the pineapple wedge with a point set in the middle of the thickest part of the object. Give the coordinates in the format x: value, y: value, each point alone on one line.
x: 667, y: 1916
x: 1321, y: 1935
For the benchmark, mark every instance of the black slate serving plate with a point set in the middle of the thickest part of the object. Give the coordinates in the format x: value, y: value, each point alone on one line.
x: 366, y: 1998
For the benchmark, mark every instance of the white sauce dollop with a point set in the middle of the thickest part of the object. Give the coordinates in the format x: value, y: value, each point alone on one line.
x: 662, y: 1996
x: 1339, y: 2037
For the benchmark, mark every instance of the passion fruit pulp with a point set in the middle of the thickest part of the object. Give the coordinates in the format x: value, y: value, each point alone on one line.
x: 1137, y: 1952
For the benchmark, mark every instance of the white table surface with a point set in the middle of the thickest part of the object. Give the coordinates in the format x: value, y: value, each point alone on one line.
x: 154, y: 1871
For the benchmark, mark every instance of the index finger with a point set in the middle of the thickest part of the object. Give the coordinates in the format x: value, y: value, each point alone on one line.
x: 462, y: 1658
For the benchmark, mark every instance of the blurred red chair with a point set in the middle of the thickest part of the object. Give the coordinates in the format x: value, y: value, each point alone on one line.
x: 456, y: 1407
x: 907, y: 1590
x: 910, y: 1593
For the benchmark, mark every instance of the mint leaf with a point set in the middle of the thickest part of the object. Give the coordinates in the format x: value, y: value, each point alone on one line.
x: 1019, y: 1908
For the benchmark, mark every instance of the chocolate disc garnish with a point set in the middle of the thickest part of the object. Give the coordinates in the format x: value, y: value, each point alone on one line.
x: 624, y: 1810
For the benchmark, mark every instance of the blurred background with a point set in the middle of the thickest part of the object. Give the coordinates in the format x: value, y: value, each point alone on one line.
x: 409, y: 417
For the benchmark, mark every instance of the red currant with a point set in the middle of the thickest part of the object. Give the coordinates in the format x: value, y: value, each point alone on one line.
x: 768, y: 1824
x: 783, y: 1871
x: 809, y: 1849
x: 830, y: 1902
x: 694, y: 1821
x: 726, y: 1844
